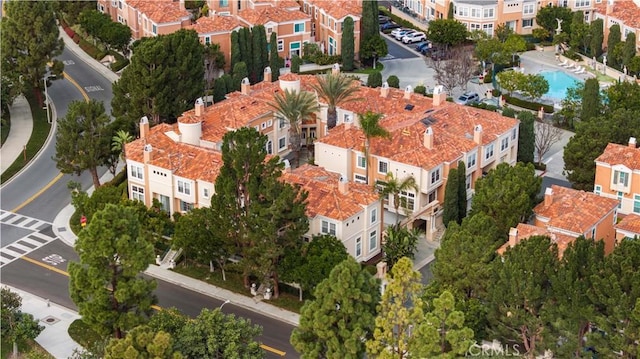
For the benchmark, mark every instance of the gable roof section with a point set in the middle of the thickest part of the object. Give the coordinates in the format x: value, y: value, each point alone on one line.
x: 325, y: 199
x: 526, y: 231
x: 160, y: 11
x: 626, y: 11
x: 265, y: 14
x: 630, y: 223
x: 216, y: 24
x: 339, y: 9
x: 616, y: 154
x: 573, y: 210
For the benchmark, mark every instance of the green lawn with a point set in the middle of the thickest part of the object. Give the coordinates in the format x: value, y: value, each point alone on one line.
x: 6, y: 349
x: 370, y: 70
x: 38, y: 137
x: 82, y: 334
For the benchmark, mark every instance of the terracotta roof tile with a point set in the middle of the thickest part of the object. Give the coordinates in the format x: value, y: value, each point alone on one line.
x: 160, y: 11
x: 214, y: 24
x: 626, y: 11
x: 526, y: 231
x: 265, y: 14
x: 630, y: 223
x: 339, y: 9
x: 325, y: 198
x: 615, y: 154
x: 288, y: 4
x: 573, y: 210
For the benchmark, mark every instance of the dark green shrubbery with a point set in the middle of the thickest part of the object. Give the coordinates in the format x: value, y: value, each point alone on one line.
x: 421, y: 89
x: 534, y: 106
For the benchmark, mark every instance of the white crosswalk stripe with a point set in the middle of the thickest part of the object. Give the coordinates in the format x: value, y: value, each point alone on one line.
x: 26, y: 244
x: 21, y: 221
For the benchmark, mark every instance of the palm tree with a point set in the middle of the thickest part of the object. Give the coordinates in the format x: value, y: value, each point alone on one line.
x: 335, y: 89
x: 370, y: 125
x: 294, y: 107
x: 118, y: 142
x: 393, y: 187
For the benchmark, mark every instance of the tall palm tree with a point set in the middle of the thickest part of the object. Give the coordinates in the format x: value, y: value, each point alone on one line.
x: 118, y: 142
x: 370, y: 125
x: 393, y: 187
x: 335, y: 90
x: 294, y: 107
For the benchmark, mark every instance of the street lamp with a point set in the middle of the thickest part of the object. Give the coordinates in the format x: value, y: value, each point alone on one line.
x: 225, y: 302
x: 46, y: 96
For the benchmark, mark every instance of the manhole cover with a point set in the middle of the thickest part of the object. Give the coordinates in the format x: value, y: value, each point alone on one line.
x: 50, y: 320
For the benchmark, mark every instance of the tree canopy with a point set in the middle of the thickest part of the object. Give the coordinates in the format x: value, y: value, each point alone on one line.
x: 16, y: 326
x: 546, y: 18
x: 347, y: 50
x: 447, y: 32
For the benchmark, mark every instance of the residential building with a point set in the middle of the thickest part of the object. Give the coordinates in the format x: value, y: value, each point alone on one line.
x: 628, y: 228
x: 624, y: 13
x: 618, y: 176
x: 348, y: 210
x: 525, y: 231
x: 147, y: 18
x: 217, y: 29
x: 327, y: 22
x: 428, y: 138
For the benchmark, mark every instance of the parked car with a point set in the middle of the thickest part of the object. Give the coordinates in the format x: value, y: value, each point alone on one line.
x: 382, y: 19
x: 491, y: 102
x: 467, y: 98
x: 423, y: 45
x: 414, y: 37
x: 403, y: 33
x: 389, y: 26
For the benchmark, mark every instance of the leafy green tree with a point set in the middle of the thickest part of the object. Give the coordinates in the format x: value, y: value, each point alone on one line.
x: 507, y: 194
x: 219, y: 90
x: 502, y: 32
x: 392, y: 187
x: 393, y: 81
x: 447, y: 32
x: 83, y: 139
x: 275, y: 62
x: 213, y: 62
x: 463, y: 261
x: 240, y: 72
x: 629, y: 49
x: 400, y: 242
x: 371, y: 128
x: 347, y: 45
x: 580, y: 34
x: 591, y: 100
x: 116, y: 36
x: 451, y: 208
x: 521, y: 294
x: 30, y: 39
x: 106, y: 284
x: 142, y: 342
x: 373, y: 48
x: 296, y: 61
x: 399, y: 312
x: 534, y: 86
x: 294, y: 107
x: 343, y: 313
x: 510, y: 81
x: 335, y: 90
x: 546, y: 18
x: 10, y: 85
x: 236, y: 52
x: 526, y: 136
x: 614, y: 38
x: 70, y: 10
x: 17, y: 326
x: 374, y: 79
x: 634, y: 65
x: 514, y: 44
x: 168, y: 320
x: 597, y: 37
x: 487, y: 48
x: 165, y: 77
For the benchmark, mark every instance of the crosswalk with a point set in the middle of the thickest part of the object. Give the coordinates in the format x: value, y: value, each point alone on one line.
x: 41, y: 235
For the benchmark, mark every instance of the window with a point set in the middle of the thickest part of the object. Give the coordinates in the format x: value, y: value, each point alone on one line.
x: 488, y: 13
x: 223, y: 3
x: 514, y: 134
x: 136, y: 172
x: 462, y: 11
x: 120, y: 19
x: 593, y: 233
x: 205, y: 192
x: 475, y: 12
x: 207, y: 40
x: 636, y: 203
x: 269, y: 123
x: 597, y: 190
x: 120, y: 5
x: 269, y: 147
x: 299, y: 27
x: 137, y: 193
x: 620, y: 196
x: 154, y: 29
x: 184, y: 187
x: 328, y: 228
x: 347, y: 118
x: 280, y: 45
x: 471, y: 160
x: 361, y: 162
x: 263, y: 125
x: 383, y: 167
x: 621, y: 178
x: 374, y: 216
x: 100, y: 7
x: 468, y: 182
x: 332, y: 46
x: 473, y: 26
x: 407, y: 200
x: 358, y: 247
x: 583, y: 3
x: 433, y: 196
x: 185, y: 206
x: 435, y: 176
x: 359, y: 178
x: 114, y: 3
x: 282, y: 143
x: 164, y: 203
x: 527, y: 22
x: 528, y: 9
x: 282, y: 123
x: 373, y: 240
x: 488, y: 28
x: 504, y: 144
x: 489, y: 153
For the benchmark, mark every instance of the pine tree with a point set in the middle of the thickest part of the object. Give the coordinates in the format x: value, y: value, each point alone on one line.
x: 597, y: 37
x: 526, y: 136
x: 613, y: 39
x: 451, y: 207
x: 369, y: 25
x: 256, y: 50
x: 274, y: 58
x: 462, y: 191
x: 629, y: 49
x: 236, y: 50
x: 228, y: 81
x: 450, y: 12
x: 347, y: 45
x: 591, y: 101
x: 264, y: 48
x: 239, y: 73
x: 219, y: 90
x: 246, y: 49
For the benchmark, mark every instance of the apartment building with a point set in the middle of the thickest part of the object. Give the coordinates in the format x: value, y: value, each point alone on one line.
x: 618, y: 176
x: 327, y: 22
x: 428, y: 138
x: 217, y: 29
x: 628, y: 228
x: 624, y: 13
x: 147, y: 18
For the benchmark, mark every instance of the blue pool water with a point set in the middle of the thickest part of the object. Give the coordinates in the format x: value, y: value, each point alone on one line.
x: 559, y: 82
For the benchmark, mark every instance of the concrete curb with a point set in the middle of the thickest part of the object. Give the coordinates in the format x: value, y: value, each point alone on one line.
x: 95, y: 64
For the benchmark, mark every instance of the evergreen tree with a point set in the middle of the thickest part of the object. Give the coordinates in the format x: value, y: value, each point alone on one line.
x: 526, y: 136
x: 106, y: 284
x: 629, y: 50
x: 228, y: 81
x: 450, y: 12
x: 296, y: 61
x: 246, y: 49
x: 258, y: 47
x: 577, y: 29
x: 17, y: 326
x: 236, y: 50
x: 219, y: 90
x: 145, y: 343
x: 369, y: 25
x: 274, y: 58
x: 591, y: 101
x: 264, y: 47
x: 30, y: 39
x: 451, y: 208
x: 614, y: 39
x: 347, y: 45
x: 399, y: 242
x: 462, y: 191
x: 597, y: 37
x: 374, y: 79
x: 239, y: 73
x: 334, y: 324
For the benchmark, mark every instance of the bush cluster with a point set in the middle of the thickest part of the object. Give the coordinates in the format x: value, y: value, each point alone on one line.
x: 400, y: 21
x: 534, y: 106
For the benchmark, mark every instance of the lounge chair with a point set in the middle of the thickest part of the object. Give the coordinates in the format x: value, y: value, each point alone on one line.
x: 564, y: 63
x: 570, y: 66
x: 581, y: 71
x: 578, y: 69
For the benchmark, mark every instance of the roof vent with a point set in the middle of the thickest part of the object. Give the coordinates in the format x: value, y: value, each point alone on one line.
x: 409, y: 107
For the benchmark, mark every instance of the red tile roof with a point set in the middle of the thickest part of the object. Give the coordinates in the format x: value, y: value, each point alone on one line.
x: 339, y: 9
x: 626, y: 11
x: 615, y: 154
x: 160, y: 11
x: 630, y: 223
x: 325, y: 199
x: 573, y: 210
x: 265, y: 14
x: 215, y: 24
x: 526, y: 231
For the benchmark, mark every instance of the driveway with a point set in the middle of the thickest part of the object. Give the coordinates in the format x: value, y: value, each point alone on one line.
x: 398, y: 50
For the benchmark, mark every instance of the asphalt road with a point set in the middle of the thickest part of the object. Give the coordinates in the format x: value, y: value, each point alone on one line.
x: 398, y: 50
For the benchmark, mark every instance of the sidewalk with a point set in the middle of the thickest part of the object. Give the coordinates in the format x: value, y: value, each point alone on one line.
x: 95, y: 64
x: 19, y: 134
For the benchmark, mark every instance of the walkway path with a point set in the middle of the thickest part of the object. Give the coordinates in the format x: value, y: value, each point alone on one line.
x: 21, y: 128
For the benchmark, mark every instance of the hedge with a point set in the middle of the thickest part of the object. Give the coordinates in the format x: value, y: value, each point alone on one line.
x: 400, y: 21
x: 119, y: 65
x: 70, y: 32
x: 534, y: 106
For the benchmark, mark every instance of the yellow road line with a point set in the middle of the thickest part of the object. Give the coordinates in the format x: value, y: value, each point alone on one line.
x: 46, y: 187
x: 82, y: 91
x: 158, y: 308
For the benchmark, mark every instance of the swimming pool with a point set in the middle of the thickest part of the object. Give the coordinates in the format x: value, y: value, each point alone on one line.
x: 559, y: 82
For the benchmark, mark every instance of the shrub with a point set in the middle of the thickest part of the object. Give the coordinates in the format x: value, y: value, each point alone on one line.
x: 496, y: 92
x: 296, y: 61
x: 393, y: 81
x: 488, y: 79
x: 374, y: 80
x: 324, y: 59
x: 88, y: 48
x: 509, y: 112
x: 534, y: 106
x: 63, y: 23
x: 420, y: 89
x: 119, y: 65
x: 76, y: 38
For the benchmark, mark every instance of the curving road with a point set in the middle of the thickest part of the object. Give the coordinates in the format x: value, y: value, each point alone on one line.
x: 31, y: 200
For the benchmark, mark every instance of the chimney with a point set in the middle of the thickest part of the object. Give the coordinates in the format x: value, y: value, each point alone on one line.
x: 144, y: 127
x: 381, y: 270
x: 148, y: 153
x: 548, y: 196
x: 513, y: 237
x: 343, y: 185
x: 477, y: 134
x: 632, y: 142
x: 384, y: 90
x: 335, y: 70
x: 609, y: 9
x: 267, y: 74
x: 439, y: 96
x: 245, y: 86
x: 428, y: 138
x: 182, y: 5
x: 199, y: 107
x: 407, y: 92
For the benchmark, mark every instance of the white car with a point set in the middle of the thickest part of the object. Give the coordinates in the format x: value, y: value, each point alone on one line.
x: 395, y: 32
x: 413, y: 37
x: 404, y: 33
